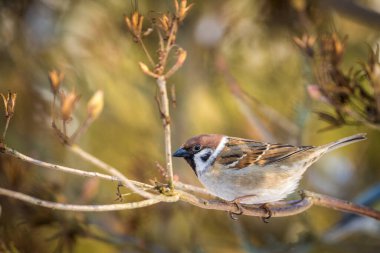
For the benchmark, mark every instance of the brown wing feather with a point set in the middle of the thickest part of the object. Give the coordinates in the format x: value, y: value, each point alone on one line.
x: 240, y: 153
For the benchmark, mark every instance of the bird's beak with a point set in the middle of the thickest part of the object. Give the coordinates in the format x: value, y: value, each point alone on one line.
x: 181, y: 153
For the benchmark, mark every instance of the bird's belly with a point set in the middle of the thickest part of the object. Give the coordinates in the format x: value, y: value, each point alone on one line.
x: 252, y: 185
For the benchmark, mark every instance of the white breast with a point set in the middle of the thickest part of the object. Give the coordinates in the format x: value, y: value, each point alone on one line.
x: 252, y: 185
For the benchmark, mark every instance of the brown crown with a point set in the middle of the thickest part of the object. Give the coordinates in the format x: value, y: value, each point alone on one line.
x: 205, y: 140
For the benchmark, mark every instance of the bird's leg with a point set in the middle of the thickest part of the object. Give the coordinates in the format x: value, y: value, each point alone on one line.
x: 236, y: 202
x: 118, y: 192
x: 269, y: 212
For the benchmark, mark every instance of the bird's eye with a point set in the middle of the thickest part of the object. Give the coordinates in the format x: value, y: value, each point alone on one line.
x: 196, y: 148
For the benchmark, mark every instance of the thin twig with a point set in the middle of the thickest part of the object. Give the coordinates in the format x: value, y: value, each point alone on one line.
x: 146, y: 51
x: 161, y: 83
x: 341, y: 205
x: 113, y: 171
x: 64, y: 127
x: 173, y: 96
x: 6, y: 127
x: 168, y: 47
x: 192, y: 189
x: 256, y: 123
x: 355, y: 10
x: 92, y: 174
x: 53, y: 107
x: 81, y: 129
x: 77, y: 208
x: 246, y: 102
x: 12, y: 152
x: 261, y: 131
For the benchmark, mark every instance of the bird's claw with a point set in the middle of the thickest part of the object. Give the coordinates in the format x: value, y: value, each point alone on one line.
x: 240, y: 211
x: 268, y: 211
x: 119, y: 196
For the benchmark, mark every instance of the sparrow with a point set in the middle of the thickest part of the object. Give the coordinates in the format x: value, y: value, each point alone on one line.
x: 248, y: 171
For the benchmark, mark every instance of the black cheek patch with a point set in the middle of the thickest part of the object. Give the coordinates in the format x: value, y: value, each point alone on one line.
x: 205, y: 157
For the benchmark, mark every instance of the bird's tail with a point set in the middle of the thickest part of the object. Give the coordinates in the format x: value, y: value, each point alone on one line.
x: 345, y: 141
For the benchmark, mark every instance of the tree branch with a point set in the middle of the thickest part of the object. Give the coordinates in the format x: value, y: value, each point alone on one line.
x: 185, y: 193
x: 355, y: 10
x: 77, y: 208
x: 165, y: 115
x: 113, y: 171
x: 288, y: 208
x: 18, y: 155
x: 341, y: 205
x: 246, y: 102
x: 12, y: 152
x: 278, y: 209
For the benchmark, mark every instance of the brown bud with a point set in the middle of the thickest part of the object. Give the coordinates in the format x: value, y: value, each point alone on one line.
x: 306, y: 43
x: 9, y: 103
x: 165, y: 24
x: 182, y: 54
x: 55, y: 78
x: 95, y: 105
x: 147, y: 71
x: 68, y: 104
x: 134, y: 24
x: 181, y: 57
x: 182, y: 9
x: 338, y: 45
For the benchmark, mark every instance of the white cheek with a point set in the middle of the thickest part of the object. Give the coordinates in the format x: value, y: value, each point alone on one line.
x: 199, y: 163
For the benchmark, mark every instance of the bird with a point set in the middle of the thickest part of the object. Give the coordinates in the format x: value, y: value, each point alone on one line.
x: 246, y: 171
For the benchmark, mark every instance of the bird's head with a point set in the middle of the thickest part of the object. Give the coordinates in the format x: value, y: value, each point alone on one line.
x: 200, y: 151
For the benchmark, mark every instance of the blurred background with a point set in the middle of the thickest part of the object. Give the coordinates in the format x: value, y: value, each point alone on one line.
x: 244, y: 76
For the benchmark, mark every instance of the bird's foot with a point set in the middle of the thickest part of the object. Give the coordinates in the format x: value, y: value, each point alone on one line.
x: 239, y: 212
x: 268, y: 211
x: 119, y: 196
x: 236, y: 202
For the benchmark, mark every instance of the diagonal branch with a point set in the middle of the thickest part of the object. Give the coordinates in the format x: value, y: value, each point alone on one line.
x: 12, y: 152
x: 113, y: 171
x: 92, y: 174
x: 77, y: 208
x: 246, y: 102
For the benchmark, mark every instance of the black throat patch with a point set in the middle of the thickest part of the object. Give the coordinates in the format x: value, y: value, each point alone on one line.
x: 190, y: 161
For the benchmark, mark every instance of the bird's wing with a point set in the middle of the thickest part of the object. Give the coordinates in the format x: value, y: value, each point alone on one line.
x: 241, y: 153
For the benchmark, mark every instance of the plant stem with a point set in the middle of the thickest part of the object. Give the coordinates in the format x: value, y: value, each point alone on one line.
x: 56, y: 167
x: 168, y: 46
x: 53, y: 108
x: 123, y: 179
x: 81, y: 129
x: 6, y: 127
x: 77, y: 208
x: 165, y: 115
x: 64, y: 127
x: 341, y: 205
x: 146, y: 52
